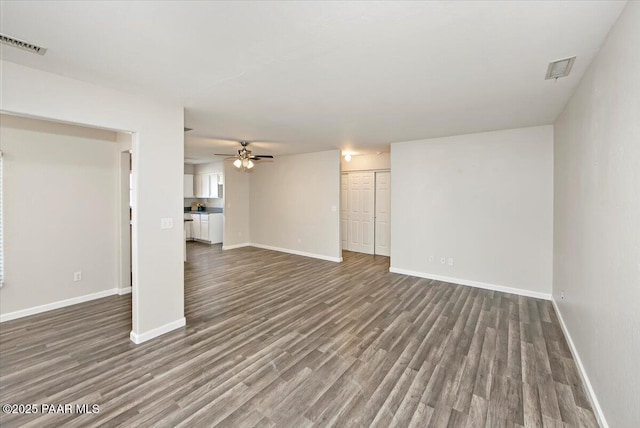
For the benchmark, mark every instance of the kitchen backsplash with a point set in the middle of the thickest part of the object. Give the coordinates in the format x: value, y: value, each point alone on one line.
x: 211, y: 203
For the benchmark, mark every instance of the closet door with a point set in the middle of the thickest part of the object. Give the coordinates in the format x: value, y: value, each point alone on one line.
x: 361, y: 212
x: 382, y: 217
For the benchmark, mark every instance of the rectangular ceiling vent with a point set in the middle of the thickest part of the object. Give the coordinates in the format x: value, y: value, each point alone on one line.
x: 21, y: 44
x: 560, y: 68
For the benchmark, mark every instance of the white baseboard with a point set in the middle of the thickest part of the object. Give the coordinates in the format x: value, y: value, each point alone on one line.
x: 595, y: 404
x: 123, y: 291
x: 159, y: 331
x: 231, y: 247
x: 486, y: 286
x: 57, y: 305
x: 297, y: 253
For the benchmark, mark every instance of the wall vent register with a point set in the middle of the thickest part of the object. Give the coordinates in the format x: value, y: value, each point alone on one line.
x: 560, y: 68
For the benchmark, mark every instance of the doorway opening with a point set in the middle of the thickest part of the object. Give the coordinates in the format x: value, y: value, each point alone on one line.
x: 63, y: 182
x: 126, y: 222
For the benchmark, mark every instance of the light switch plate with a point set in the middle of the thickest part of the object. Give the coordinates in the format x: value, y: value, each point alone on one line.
x: 166, y: 223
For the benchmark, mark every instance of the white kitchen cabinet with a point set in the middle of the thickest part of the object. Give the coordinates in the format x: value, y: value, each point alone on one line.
x: 200, y: 228
x: 215, y: 228
x: 188, y: 186
x: 213, y: 186
x: 207, y: 185
x: 195, y: 229
x: 204, y: 227
x: 197, y: 185
x: 219, y: 187
x: 203, y: 187
x: 188, y: 227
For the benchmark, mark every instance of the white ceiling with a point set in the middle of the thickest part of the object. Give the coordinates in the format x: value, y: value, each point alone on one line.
x: 309, y: 76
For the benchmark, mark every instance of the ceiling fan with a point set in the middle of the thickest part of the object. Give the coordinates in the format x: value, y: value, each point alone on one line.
x: 244, y: 159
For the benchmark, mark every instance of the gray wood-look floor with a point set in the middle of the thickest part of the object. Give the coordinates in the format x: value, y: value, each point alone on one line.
x: 280, y: 340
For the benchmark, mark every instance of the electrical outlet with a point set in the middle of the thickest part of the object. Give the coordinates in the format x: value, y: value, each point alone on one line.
x: 77, y: 276
x: 443, y: 260
x: 166, y: 223
x: 450, y: 261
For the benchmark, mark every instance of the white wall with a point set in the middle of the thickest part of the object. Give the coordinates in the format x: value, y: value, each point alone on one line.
x: 60, y: 187
x: 158, y: 153
x: 484, y: 200
x: 597, y: 221
x: 209, y: 168
x: 366, y: 162
x: 236, y: 208
x: 189, y: 168
x: 291, y: 204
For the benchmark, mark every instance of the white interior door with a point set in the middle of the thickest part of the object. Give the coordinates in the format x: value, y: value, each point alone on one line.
x: 361, y: 212
x: 382, y: 217
x: 344, y: 210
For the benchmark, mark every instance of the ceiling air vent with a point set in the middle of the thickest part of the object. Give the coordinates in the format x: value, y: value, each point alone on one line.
x: 21, y: 44
x: 560, y: 68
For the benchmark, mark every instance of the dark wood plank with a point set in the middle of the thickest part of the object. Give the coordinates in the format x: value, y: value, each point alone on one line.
x: 274, y: 339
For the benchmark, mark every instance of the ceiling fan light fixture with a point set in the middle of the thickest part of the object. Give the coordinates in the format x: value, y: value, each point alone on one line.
x: 347, y: 157
x: 244, y: 160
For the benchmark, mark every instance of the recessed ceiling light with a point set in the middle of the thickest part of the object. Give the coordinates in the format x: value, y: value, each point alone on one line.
x: 21, y: 44
x: 560, y: 68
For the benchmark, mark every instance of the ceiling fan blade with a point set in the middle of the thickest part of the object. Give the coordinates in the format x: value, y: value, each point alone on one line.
x: 263, y: 157
x: 221, y: 154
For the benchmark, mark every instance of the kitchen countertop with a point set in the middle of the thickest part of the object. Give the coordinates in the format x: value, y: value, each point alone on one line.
x: 208, y: 211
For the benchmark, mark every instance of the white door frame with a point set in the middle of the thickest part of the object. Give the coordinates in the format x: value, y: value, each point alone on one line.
x: 125, y: 268
x: 382, y: 217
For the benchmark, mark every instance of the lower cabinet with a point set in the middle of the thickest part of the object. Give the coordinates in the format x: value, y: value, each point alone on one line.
x: 204, y: 227
x: 215, y: 228
x: 195, y: 229
x: 188, y: 230
x: 207, y: 227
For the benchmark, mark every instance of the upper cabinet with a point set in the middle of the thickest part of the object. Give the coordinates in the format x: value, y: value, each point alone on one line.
x: 202, y: 186
x: 188, y: 186
x: 206, y: 185
x: 213, y: 186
